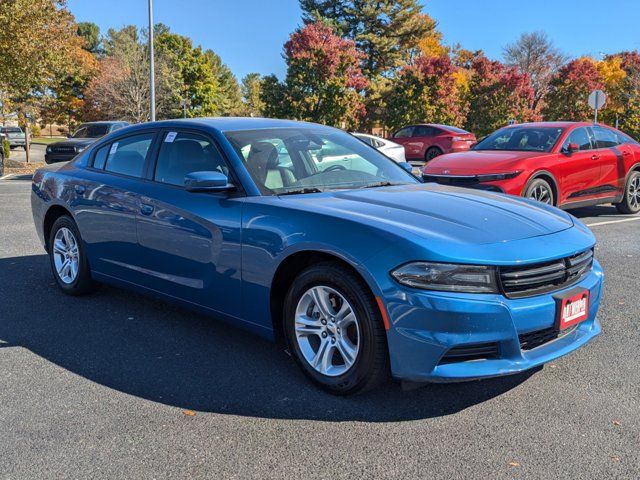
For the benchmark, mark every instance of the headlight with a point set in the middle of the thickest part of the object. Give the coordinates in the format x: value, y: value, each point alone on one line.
x: 492, y: 177
x: 48, y: 149
x: 80, y: 149
x: 447, y: 277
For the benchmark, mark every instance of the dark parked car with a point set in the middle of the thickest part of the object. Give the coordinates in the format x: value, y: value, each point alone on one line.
x: 86, y: 134
x: 360, y: 268
x: 425, y: 142
x: 15, y: 135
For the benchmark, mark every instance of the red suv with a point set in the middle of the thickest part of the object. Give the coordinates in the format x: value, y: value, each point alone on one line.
x: 426, y: 141
x: 567, y: 164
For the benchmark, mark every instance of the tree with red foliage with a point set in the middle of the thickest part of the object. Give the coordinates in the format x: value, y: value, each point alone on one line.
x: 324, y: 79
x: 425, y: 91
x: 570, y: 89
x: 496, y: 95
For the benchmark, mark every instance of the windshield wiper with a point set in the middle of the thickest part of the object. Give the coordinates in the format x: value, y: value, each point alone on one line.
x: 301, y: 191
x: 382, y: 184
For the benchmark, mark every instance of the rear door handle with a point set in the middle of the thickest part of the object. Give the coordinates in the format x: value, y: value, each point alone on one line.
x: 146, y: 209
x: 626, y: 152
x: 595, y: 157
x: 80, y: 189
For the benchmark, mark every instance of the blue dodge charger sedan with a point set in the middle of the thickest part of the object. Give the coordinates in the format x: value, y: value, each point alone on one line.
x: 304, y: 234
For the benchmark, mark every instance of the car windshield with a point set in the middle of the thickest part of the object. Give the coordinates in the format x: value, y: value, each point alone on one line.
x: 303, y: 160
x: 534, y: 139
x: 91, y: 131
x: 11, y: 130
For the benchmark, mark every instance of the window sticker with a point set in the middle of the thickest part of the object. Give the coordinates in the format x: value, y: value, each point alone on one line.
x: 114, y: 148
x: 171, y: 136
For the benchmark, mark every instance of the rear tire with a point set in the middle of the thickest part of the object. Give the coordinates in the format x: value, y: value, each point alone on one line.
x: 540, y: 190
x: 68, y: 259
x: 343, y: 353
x: 631, y: 201
x: 431, y: 153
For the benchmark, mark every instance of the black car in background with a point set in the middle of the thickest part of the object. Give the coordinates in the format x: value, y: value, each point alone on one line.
x: 86, y: 134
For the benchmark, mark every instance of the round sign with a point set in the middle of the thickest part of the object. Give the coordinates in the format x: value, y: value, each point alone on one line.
x: 597, y: 99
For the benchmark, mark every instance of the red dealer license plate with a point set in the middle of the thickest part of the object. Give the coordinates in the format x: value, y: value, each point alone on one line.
x: 574, y: 308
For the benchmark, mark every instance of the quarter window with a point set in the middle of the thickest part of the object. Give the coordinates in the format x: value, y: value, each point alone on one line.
x: 580, y: 136
x: 605, y: 138
x: 101, y: 157
x: 182, y: 153
x: 127, y: 155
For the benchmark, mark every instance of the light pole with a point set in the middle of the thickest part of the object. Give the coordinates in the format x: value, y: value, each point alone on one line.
x: 152, y: 75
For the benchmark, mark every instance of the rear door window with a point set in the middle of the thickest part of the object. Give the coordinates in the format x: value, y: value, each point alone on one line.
x: 605, y: 138
x: 127, y: 156
x: 423, y: 131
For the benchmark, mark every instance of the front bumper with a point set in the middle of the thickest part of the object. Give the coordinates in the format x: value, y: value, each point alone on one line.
x: 58, y: 157
x: 425, y: 326
x: 16, y: 142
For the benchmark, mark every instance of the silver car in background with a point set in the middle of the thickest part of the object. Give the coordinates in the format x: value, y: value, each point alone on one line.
x: 390, y: 149
x: 14, y: 135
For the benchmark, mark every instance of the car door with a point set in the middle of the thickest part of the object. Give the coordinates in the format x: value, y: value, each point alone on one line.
x: 421, y: 139
x: 190, y: 241
x: 611, y: 160
x: 578, y: 171
x: 403, y: 137
x: 108, y: 201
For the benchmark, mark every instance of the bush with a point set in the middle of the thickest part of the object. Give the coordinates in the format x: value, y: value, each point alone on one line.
x: 35, y: 130
x: 6, y: 148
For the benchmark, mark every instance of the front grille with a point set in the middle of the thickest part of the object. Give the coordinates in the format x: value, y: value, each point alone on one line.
x: 531, y: 340
x: 476, y: 351
x: 528, y: 280
x: 61, y: 149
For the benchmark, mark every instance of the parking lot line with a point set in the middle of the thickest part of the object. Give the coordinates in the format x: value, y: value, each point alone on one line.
x: 613, y: 221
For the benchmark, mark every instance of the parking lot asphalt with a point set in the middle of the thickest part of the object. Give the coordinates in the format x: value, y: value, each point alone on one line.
x: 37, y: 152
x: 117, y: 385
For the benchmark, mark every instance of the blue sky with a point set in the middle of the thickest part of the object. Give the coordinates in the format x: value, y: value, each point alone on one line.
x: 249, y: 34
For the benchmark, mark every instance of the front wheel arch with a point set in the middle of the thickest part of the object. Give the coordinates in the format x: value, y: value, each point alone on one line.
x: 550, y: 179
x: 288, y: 270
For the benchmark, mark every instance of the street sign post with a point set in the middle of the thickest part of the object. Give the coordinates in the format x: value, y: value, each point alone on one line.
x: 597, y: 99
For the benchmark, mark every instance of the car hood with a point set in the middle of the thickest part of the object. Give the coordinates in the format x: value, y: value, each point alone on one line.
x: 75, y: 142
x: 478, y: 161
x: 440, y: 212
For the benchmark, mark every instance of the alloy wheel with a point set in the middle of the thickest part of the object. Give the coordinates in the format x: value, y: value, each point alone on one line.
x: 66, y: 255
x: 327, y: 331
x: 633, y: 192
x: 541, y: 193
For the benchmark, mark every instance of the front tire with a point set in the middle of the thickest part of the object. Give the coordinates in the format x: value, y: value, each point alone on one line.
x: 68, y: 259
x: 334, y: 330
x: 631, y: 202
x: 540, y: 190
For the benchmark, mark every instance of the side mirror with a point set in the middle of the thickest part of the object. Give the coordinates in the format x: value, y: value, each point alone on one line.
x: 207, y: 182
x: 407, y: 166
x: 573, y: 147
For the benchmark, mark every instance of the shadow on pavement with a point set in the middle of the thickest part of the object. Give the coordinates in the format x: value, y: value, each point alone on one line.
x: 596, y: 211
x: 169, y: 355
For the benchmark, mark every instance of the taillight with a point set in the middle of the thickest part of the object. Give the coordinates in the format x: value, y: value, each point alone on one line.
x: 457, y: 139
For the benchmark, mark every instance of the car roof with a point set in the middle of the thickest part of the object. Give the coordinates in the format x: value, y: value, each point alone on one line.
x: 106, y: 122
x: 228, y: 124
x: 562, y: 124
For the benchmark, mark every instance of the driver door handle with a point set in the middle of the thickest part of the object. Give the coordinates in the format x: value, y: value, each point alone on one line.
x: 595, y: 157
x: 626, y: 152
